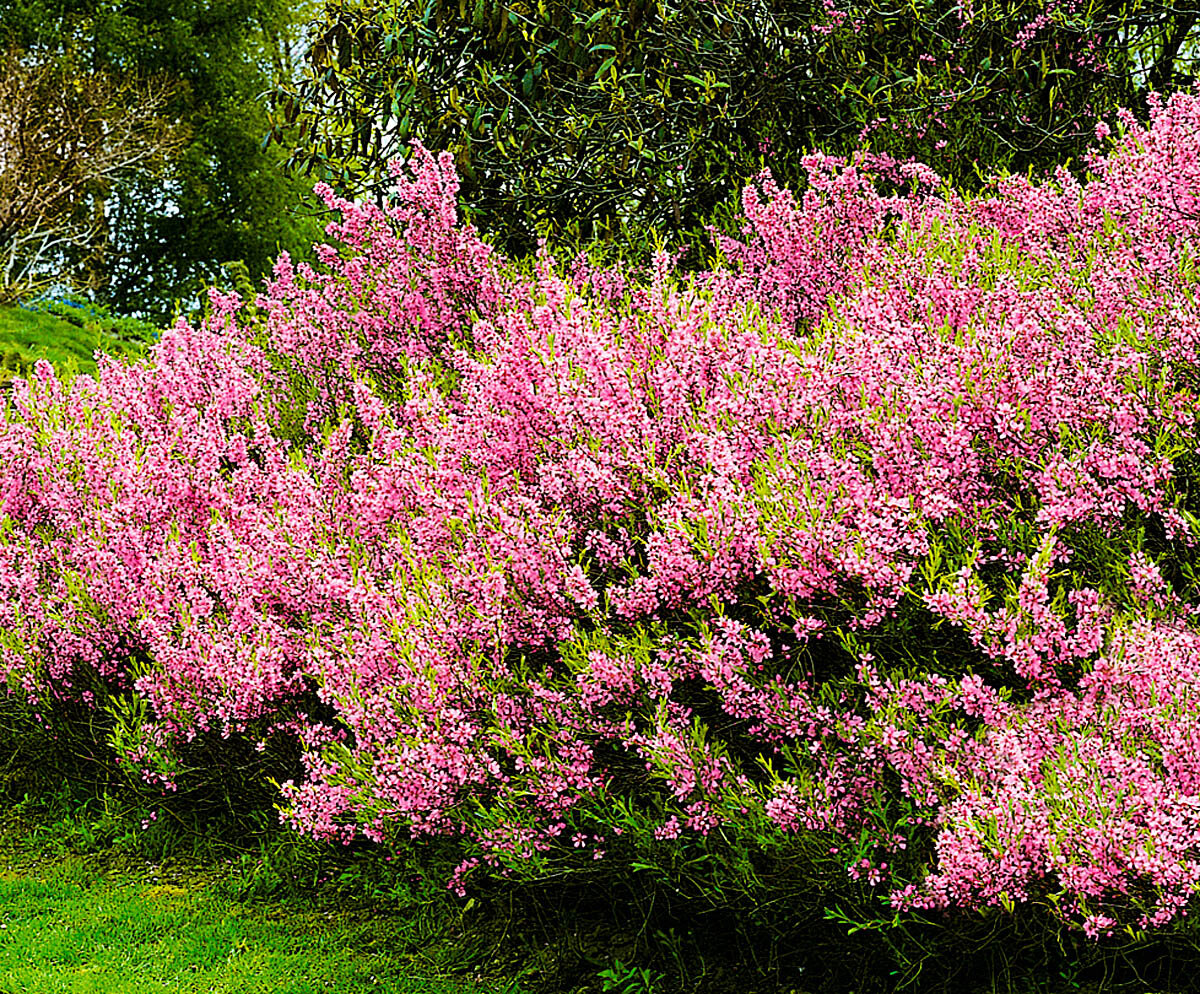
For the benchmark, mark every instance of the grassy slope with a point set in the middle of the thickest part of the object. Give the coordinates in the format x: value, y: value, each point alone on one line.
x: 26, y: 336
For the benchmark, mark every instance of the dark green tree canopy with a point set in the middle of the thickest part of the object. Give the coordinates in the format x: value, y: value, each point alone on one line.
x: 650, y: 112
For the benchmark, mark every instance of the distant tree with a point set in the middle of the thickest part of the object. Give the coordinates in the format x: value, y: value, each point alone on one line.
x: 585, y: 114
x: 221, y: 195
x: 65, y: 144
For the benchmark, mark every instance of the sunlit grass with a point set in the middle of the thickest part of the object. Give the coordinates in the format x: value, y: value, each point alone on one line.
x: 26, y: 336
x: 116, y: 895
x: 69, y: 926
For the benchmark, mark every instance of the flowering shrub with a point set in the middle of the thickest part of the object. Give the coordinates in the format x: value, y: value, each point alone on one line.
x: 874, y: 544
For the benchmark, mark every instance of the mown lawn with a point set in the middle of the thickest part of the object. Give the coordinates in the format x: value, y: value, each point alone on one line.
x: 87, y: 923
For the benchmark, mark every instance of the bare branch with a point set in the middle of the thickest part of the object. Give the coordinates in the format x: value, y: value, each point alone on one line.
x: 64, y: 142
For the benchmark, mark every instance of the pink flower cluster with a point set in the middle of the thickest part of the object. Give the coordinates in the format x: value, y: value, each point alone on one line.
x: 570, y: 557
x: 1089, y: 799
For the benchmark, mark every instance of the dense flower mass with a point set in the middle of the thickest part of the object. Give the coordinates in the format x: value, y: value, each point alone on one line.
x: 878, y: 532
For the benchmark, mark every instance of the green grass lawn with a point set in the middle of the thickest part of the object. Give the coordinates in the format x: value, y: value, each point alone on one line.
x: 75, y: 924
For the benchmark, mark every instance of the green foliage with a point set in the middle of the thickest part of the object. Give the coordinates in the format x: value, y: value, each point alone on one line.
x: 627, y: 979
x: 222, y: 197
x: 89, y: 316
x: 108, y: 889
x: 583, y: 117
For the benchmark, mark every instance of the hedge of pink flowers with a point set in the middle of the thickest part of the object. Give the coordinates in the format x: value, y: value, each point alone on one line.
x: 876, y: 533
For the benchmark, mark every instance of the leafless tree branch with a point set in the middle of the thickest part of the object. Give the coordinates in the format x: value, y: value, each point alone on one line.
x: 64, y: 142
